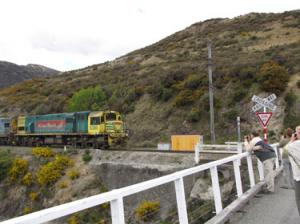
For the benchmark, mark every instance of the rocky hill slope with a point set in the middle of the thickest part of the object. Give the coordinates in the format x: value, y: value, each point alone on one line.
x: 162, y: 89
x: 11, y: 73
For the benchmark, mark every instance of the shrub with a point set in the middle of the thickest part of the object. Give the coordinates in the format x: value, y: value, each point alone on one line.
x: 238, y: 94
x: 34, y: 196
x: 273, y: 77
x: 147, y: 210
x: 183, y: 98
x: 231, y: 115
x: 87, y: 99
x: 155, y: 91
x: 18, y: 169
x: 27, y: 210
x: 48, y: 174
x: 193, y: 81
x: 290, y: 99
x: 86, y: 157
x: 73, y: 220
x: 52, y: 171
x: 27, y: 179
x: 166, y: 94
x: 5, y: 164
x: 74, y: 174
x: 63, y: 185
x: 42, y: 152
x: 193, y: 115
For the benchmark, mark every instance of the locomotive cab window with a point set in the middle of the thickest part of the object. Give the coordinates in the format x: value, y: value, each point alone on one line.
x: 118, y: 118
x: 95, y: 120
x: 111, y: 117
x: 6, y: 125
x: 21, y: 128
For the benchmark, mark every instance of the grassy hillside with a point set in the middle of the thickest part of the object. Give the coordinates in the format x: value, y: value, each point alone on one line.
x: 163, y: 88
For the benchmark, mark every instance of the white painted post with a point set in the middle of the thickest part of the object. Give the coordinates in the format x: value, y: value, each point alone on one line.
x: 260, y: 167
x: 281, y: 152
x: 117, y: 211
x: 237, y: 176
x: 239, y: 150
x: 239, y: 147
x: 250, y: 170
x: 277, y: 157
x: 216, y: 189
x: 197, y: 151
x: 181, y: 202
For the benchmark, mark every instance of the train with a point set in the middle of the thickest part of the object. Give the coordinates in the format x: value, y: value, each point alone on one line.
x: 97, y: 129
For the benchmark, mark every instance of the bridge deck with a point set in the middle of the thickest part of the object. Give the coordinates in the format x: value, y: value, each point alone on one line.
x: 276, y: 208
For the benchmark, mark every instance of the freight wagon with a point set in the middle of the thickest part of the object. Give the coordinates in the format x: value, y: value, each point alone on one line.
x: 84, y: 129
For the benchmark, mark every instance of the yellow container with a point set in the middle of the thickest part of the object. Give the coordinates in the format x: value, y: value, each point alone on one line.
x: 185, y: 142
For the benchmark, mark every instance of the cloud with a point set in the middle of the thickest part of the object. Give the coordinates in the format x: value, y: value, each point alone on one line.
x: 70, y: 34
x: 66, y: 44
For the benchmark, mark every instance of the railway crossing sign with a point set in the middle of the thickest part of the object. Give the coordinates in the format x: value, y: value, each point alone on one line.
x: 264, y: 102
x: 264, y: 118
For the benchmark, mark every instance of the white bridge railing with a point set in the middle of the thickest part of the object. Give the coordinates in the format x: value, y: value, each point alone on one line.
x: 115, y: 197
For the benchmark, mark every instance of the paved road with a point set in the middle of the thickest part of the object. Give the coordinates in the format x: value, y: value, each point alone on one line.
x: 277, y: 208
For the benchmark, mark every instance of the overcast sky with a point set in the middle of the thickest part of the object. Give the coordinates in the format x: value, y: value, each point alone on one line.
x: 71, y: 34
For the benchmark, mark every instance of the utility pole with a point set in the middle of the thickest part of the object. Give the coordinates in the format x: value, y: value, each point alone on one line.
x: 211, y: 97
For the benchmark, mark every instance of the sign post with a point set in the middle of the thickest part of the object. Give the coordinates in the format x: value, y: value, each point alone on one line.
x: 264, y: 117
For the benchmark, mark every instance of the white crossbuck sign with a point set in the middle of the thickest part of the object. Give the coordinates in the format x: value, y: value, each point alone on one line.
x: 264, y: 102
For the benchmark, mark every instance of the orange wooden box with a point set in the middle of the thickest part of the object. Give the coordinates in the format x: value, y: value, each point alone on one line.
x: 185, y: 142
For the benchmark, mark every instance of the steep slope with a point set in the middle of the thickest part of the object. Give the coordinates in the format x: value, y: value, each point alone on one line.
x: 11, y: 73
x: 163, y: 88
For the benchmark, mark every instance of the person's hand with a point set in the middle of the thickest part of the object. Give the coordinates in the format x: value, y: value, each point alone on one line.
x: 294, y: 137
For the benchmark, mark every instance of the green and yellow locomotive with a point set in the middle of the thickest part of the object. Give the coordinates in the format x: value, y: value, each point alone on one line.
x: 99, y: 129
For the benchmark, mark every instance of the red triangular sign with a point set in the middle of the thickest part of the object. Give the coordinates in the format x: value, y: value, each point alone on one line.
x: 264, y: 118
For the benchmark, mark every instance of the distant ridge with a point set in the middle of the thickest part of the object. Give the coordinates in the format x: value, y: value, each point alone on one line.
x: 11, y: 73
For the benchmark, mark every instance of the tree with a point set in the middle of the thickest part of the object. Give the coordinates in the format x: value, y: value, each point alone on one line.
x: 92, y: 98
x: 272, y: 77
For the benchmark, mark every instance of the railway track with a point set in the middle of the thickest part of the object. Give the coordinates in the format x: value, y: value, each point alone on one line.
x: 60, y: 148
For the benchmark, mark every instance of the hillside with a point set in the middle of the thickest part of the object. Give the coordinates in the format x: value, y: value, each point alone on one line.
x: 11, y: 73
x: 163, y: 89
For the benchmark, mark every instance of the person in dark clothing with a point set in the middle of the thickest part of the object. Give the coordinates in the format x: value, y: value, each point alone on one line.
x: 266, y: 154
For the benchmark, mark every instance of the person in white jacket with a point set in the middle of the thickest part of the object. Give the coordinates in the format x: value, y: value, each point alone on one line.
x: 294, y: 155
x: 266, y: 154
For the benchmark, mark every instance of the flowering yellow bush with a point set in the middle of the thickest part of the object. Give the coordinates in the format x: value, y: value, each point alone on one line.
x: 34, y: 196
x: 147, y: 209
x: 52, y: 171
x: 73, y: 220
x: 74, y: 174
x: 18, y: 169
x: 27, y: 210
x: 27, y: 179
x: 43, y: 152
x: 63, y: 185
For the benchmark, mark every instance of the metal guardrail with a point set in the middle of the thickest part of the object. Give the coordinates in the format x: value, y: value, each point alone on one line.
x: 115, y: 197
